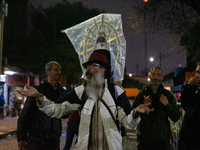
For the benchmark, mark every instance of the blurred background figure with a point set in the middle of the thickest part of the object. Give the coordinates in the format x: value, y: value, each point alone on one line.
x: 2, y: 102
x: 13, y: 100
x: 18, y: 106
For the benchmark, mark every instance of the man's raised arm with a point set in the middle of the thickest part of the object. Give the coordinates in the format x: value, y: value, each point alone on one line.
x: 31, y: 92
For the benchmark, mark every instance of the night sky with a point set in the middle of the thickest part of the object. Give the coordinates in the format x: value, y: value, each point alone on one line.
x: 173, y: 55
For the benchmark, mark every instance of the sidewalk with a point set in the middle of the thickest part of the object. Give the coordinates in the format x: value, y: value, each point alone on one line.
x: 8, y: 125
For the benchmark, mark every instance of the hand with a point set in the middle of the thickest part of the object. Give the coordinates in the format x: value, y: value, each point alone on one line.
x: 147, y: 99
x: 22, y: 145
x: 143, y: 108
x: 163, y: 99
x: 32, y: 92
x: 192, y: 81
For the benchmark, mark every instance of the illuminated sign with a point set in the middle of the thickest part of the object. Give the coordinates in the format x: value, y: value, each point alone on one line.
x: 16, y: 80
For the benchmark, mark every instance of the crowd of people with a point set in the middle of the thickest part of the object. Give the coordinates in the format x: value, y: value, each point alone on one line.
x: 96, y: 111
x: 14, y: 105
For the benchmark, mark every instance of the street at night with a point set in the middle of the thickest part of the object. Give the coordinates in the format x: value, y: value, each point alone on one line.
x: 9, y: 142
x: 103, y: 64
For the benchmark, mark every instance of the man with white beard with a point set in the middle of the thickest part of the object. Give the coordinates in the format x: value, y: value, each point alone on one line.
x: 99, y: 109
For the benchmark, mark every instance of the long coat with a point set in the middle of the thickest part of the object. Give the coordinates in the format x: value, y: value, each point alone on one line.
x: 114, y: 138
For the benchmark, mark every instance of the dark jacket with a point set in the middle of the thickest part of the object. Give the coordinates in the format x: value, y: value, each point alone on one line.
x: 2, y: 101
x: 190, y: 131
x: 155, y: 126
x: 32, y: 121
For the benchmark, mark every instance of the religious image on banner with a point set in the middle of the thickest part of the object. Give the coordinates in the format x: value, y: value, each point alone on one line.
x: 101, y: 32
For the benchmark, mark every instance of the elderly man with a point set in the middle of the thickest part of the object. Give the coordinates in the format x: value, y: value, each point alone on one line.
x: 190, y: 102
x: 99, y: 110
x: 35, y: 129
x: 154, y: 130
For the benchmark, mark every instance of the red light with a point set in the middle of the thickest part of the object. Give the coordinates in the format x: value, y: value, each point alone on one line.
x: 145, y: 1
x: 178, y: 95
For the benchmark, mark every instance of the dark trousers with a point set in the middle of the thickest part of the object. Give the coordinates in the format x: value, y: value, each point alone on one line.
x: 188, y: 143
x: 149, y: 145
x: 13, y: 114
x: 72, y: 129
x: 38, y: 143
x: 17, y: 111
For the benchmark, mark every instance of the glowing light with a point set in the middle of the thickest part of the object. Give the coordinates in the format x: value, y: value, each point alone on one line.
x: 178, y: 95
x: 151, y: 59
x: 9, y: 72
x: 145, y: 1
x: 130, y: 75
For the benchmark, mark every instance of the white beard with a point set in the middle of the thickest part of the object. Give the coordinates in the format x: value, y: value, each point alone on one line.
x: 95, y: 84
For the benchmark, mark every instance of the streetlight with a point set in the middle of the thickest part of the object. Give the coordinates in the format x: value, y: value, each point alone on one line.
x: 151, y: 59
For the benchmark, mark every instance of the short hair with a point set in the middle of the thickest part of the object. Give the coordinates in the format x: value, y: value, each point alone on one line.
x: 155, y: 68
x: 49, y: 66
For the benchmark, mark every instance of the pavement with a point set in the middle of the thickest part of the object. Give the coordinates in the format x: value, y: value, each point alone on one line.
x: 8, y: 126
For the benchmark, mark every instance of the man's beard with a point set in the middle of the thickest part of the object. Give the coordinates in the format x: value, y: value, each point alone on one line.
x: 156, y: 82
x: 95, y: 84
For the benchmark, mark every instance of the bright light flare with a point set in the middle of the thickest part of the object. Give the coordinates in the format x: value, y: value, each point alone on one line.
x: 151, y: 59
x: 10, y: 72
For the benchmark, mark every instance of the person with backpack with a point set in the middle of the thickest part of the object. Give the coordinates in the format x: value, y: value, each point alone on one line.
x: 99, y: 110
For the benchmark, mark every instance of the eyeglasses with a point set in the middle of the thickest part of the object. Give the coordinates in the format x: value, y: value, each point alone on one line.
x: 91, y: 65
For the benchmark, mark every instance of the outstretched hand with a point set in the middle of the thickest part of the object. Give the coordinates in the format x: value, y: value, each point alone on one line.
x: 32, y: 92
x: 143, y: 108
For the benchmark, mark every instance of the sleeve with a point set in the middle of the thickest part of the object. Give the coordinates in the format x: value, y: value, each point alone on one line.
x: 70, y: 103
x: 171, y: 108
x: 125, y: 104
x: 186, y: 95
x: 24, y: 119
x: 139, y: 99
x: 125, y: 112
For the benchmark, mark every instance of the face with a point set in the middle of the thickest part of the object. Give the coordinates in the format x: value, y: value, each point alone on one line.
x: 197, y: 76
x: 92, y: 69
x: 156, y: 77
x: 55, y: 73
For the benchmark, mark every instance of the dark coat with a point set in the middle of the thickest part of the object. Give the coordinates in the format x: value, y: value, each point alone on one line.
x: 155, y: 126
x: 2, y: 101
x: 190, y: 131
x: 32, y: 121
